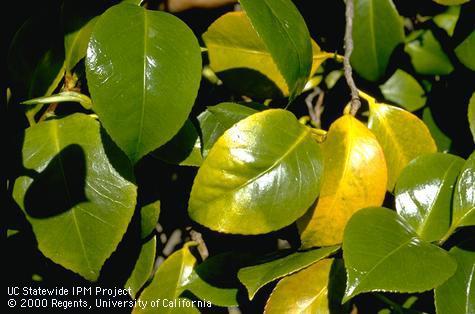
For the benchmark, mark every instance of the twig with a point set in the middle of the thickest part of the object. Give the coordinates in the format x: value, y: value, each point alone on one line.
x: 316, y: 111
x: 355, y: 99
x: 202, y: 249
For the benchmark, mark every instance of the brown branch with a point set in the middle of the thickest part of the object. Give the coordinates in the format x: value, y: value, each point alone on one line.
x: 316, y: 111
x: 355, y: 99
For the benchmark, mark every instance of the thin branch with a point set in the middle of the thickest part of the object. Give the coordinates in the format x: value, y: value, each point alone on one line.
x: 202, y: 249
x: 355, y: 99
x: 316, y: 111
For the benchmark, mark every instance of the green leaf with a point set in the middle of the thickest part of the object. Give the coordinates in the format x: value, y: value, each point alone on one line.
x: 457, y: 295
x: 256, y: 277
x: 464, y: 195
x: 241, y: 58
x: 142, y: 91
x: 471, y: 115
x: 424, y: 193
x: 443, y: 141
x: 351, y: 154
x: 284, y: 32
x: 404, y: 90
x: 375, y: 37
x: 399, y: 261
x: 260, y: 176
x: 216, y: 280
x: 465, y: 51
x: 448, y: 19
x: 149, y: 218
x: 168, y: 284
x: 62, y: 97
x: 451, y: 2
x: 215, y: 120
x: 143, y: 267
x: 427, y: 55
x: 402, y: 135
x: 324, y: 284
x: 77, y: 193
x: 183, y: 149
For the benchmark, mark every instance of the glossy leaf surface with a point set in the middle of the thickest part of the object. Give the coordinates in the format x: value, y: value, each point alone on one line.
x: 168, y: 284
x: 255, y: 277
x: 404, y: 90
x: 78, y: 197
x: 143, y: 267
x: 215, y: 120
x: 457, y: 295
x: 402, y: 135
x: 464, y: 195
x: 427, y: 55
x: 315, y: 289
x: 424, y: 193
x: 142, y: 91
x: 351, y: 181
x: 284, y: 32
x: 374, y: 37
x: 239, y: 188
x: 399, y: 259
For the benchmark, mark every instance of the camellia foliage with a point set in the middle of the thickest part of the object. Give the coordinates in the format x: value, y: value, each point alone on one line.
x: 223, y: 163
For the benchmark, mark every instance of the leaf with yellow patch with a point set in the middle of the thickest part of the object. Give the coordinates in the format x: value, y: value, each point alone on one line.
x: 402, y: 135
x: 355, y: 177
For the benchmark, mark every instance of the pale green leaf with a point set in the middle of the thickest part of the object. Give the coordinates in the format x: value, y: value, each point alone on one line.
x: 404, y: 90
x: 448, y: 19
x: 466, y: 51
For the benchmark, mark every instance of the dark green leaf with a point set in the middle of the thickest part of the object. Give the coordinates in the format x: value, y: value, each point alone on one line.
x: 377, y: 30
x: 404, y: 90
x: 216, y: 280
x: 457, y: 295
x: 78, y: 201
x: 217, y: 119
x: 382, y: 253
x: 424, y: 193
x: 183, y: 149
x: 143, y: 267
x: 284, y: 32
x: 143, y: 69
x: 256, y: 277
x: 466, y: 51
x: 261, y: 175
x: 441, y: 139
x: 427, y: 54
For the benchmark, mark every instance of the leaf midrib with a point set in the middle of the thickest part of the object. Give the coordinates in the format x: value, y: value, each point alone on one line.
x: 68, y: 193
x: 294, y: 146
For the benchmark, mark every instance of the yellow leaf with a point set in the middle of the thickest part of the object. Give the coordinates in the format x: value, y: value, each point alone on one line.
x: 402, y: 135
x: 355, y: 177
